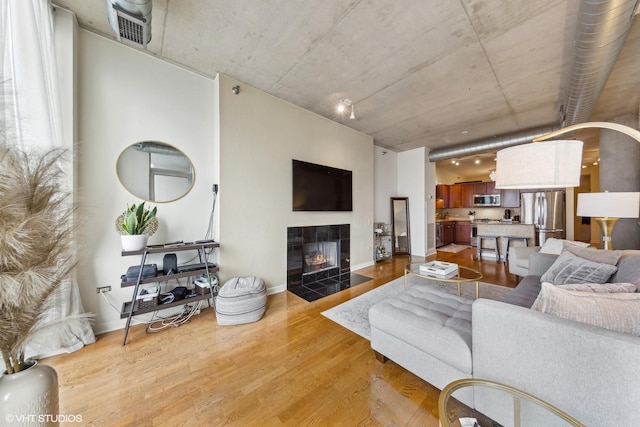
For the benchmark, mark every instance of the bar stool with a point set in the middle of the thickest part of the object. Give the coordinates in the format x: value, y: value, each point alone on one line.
x: 495, y: 249
x: 508, y: 239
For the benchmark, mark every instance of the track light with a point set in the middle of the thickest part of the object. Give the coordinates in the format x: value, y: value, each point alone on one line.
x: 343, y: 104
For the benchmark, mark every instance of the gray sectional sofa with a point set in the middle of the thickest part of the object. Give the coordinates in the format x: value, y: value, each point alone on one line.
x: 590, y: 372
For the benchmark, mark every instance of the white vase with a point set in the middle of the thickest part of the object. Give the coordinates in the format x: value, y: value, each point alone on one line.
x: 30, y: 397
x: 133, y: 242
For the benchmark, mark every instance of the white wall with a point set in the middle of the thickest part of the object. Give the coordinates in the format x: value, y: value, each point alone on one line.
x: 411, y: 183
x: 259, y: 136
x: 126, y: 96
x: 430, y: 206
x: 243, y: 142
x: 385, y: 166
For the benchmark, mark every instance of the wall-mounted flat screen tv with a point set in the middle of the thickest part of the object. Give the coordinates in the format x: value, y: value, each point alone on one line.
x: 320, y: 188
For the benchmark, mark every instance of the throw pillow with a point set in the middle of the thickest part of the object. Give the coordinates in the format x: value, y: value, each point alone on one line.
x: 604, y: 288
x: 601, y: 288
x: 618, y: 312
x: 593, y: 254
x: 554, y: 246
x: 568, y: 268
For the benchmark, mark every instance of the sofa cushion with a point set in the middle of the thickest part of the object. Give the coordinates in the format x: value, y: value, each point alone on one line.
x: 569, y: 268
x: 618, y: 311
x: 628, y: 268
x: 596, y: 255
x: 601, y: 288
x: 554, y: 246
x: 429, y: 319
x: 525, y: 293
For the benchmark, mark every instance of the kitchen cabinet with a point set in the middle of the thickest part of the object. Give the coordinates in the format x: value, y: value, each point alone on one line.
x: 448, y: 232
x: 491, y: 188
x: 467, y: 192
x: 455, y: 196
x: 480, y: 188
x: 510, y: 199
x: 442, y: 196
x: 463, y: 232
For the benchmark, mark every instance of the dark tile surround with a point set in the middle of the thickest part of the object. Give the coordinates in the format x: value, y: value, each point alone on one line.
x: 315, y: 285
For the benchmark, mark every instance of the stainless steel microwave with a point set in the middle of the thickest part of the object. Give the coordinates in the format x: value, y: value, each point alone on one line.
x: 486, y: 200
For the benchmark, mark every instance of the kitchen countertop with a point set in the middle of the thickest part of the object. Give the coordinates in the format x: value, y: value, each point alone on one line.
x: 490, y: 221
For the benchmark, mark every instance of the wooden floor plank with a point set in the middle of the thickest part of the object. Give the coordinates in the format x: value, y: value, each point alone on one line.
x: 294, y: 367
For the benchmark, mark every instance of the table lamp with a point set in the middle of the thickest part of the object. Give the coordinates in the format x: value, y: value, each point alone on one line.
x: 606, y: 208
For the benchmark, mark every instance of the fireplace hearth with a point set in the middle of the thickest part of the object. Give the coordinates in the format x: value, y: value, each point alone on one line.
x: 318, y: 261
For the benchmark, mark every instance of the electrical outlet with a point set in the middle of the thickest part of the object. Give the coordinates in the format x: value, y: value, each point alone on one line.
x: 103, y: 289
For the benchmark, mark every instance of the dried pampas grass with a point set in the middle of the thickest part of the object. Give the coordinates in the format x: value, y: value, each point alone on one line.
x: 36, y: 243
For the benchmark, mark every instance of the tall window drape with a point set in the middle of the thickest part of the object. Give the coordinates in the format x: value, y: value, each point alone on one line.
x: 32, y: 118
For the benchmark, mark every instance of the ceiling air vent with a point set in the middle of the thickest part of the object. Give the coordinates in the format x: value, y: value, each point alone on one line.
x: 131, y: 21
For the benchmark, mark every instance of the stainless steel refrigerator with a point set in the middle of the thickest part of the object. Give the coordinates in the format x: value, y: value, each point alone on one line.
x: 545, y: 210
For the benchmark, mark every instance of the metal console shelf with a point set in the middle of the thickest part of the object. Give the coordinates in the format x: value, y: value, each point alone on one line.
x: 204, y: 267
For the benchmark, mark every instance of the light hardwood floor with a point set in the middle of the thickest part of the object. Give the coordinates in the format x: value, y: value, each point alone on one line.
x: 292, y: 368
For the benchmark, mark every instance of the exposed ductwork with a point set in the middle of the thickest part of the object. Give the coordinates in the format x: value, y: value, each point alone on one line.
x: 490, y: 144
x: 131, y: 21
x: 601, y: 31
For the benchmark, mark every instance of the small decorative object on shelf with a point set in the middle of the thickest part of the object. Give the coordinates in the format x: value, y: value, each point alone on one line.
x: 135, y: 225
x: 382, y: 241
x: 472, y: 215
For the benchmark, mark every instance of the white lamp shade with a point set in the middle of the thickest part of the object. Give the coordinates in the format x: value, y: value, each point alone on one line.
x: 549, y: 164
x: 611, y: 205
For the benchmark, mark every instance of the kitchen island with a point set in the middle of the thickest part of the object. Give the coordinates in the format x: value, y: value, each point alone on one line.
x: 503, y: 229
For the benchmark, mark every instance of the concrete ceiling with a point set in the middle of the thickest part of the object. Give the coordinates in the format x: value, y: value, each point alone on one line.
x: 431, y: 73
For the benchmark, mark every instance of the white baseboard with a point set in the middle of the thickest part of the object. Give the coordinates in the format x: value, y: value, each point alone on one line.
x: 276, y: 289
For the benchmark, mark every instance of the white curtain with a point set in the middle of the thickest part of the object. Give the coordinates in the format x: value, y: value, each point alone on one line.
x: 30, y: 105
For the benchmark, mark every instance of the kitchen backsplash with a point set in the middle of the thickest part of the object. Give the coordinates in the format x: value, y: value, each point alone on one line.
x: 480, y: 213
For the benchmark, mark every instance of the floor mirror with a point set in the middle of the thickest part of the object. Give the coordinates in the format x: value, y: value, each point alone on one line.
x: 400, y: 226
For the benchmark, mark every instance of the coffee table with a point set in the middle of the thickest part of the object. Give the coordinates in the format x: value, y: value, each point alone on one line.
x: 465, y: 275
x: 496, y: 403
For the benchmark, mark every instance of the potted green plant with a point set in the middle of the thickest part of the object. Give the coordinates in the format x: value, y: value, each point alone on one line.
x: 135, y: 225
x: 37, y: 254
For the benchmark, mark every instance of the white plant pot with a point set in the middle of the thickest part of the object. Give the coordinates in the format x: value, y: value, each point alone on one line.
x: 133, y: 242
x: 30, y: 397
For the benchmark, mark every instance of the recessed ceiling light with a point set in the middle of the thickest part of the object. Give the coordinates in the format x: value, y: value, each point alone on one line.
x: 464, y: 132
x: 477, y: 160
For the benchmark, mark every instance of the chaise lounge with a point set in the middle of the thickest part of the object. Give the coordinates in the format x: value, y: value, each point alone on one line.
x: 584, y: 370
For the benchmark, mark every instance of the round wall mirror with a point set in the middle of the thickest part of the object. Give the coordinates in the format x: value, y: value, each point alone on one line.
x: 155, y: 171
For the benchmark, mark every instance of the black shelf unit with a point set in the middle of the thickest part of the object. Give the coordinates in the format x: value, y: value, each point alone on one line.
x: 129, y: 307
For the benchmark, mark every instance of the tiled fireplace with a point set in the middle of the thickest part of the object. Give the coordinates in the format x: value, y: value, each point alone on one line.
x: 318, y: 261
